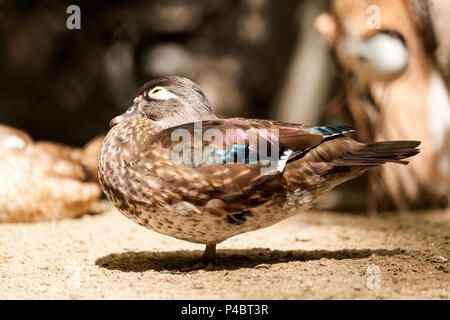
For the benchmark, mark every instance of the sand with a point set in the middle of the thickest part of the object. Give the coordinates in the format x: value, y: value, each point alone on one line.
x: 315, y: 255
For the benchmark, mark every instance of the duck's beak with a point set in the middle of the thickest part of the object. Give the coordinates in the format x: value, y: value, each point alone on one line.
x: 130, y: 113
x: 118, y: 119
x: 114, y: 121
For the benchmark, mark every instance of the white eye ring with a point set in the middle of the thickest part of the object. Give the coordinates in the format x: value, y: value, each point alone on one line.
x: 155, y: 90
x: 161, y: 93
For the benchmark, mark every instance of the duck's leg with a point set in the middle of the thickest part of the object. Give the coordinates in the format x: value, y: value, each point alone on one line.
x: 209, y: 256
x: 208, y: 259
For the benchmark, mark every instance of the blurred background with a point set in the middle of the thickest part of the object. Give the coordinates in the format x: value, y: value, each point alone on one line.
x: 66, y: 85
x: 253, y: 58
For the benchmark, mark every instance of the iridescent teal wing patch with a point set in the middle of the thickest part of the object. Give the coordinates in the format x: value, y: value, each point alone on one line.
x: 331, y: 131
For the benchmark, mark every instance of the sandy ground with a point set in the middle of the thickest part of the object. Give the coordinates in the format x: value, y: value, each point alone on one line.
x: 315, y: 255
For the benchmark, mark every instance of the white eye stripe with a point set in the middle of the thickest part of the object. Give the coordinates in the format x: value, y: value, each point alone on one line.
x: 161, y: 93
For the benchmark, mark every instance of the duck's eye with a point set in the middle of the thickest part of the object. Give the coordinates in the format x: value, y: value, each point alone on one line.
x: 154, y: 91
x: 161, y: 93
x: 130, y: 110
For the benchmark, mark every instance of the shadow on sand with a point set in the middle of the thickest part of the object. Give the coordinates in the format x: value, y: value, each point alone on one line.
x: 227, y: 259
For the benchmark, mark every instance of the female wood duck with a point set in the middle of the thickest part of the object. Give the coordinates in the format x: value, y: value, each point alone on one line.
x: 230, y: 186
x: 44, y: 180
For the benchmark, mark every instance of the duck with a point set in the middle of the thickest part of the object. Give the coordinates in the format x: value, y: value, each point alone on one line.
x: 171, y: 165
x: 379, y: 56
x: 390, y: 81
x: 44, y: 180
x: 85, y: 157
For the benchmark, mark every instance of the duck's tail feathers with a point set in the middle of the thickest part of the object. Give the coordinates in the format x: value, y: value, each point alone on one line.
x: 374, y: 154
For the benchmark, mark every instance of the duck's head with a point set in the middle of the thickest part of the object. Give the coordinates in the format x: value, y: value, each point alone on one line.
x: 380, y: 56
x: 169, y: 101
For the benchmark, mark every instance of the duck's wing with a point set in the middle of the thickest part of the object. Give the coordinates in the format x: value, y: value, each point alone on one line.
x: 72, y: 162
x: 62, y: 161
x: 237, y: 141
x: 227, y: 166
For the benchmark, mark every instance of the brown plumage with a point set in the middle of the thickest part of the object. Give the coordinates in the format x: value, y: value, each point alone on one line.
x: 86, y: 157
x: 43, y: 180
x: 221, y: 195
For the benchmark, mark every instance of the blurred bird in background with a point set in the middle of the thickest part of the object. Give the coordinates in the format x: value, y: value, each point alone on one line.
x: 380, y: 56
x: 45, y: 180
x: 393, y: 89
